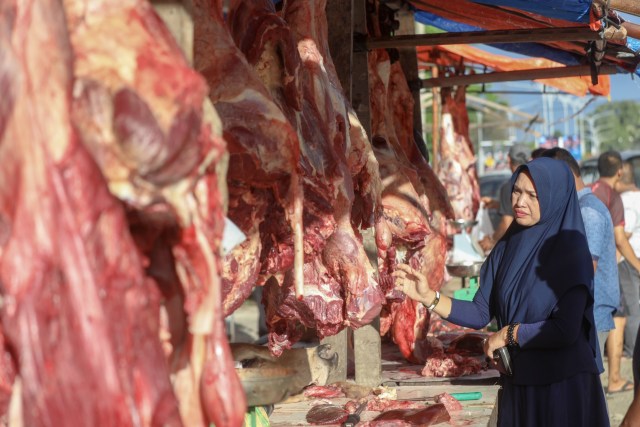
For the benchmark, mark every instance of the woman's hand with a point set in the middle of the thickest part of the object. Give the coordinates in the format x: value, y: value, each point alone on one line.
x: 413, y: 284
x: 495, y: 341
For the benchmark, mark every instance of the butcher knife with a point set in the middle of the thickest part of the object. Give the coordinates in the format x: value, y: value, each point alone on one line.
x: 354, y: 418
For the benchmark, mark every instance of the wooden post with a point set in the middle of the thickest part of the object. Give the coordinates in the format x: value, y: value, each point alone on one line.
x: 360, y: 68
x: 409, y: 62
x: 339, y: 19
x: 435, y: 125
x: 366, y: 346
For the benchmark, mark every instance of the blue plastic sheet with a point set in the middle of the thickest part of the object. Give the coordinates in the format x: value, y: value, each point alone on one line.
x: 568, y: 10
x: 528, y: 49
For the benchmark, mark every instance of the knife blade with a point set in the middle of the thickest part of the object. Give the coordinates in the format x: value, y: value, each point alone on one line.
x: 354, y: 418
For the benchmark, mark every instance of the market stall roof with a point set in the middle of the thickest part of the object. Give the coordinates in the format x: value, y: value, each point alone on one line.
x: 563, y: 31
x: 470, y: 56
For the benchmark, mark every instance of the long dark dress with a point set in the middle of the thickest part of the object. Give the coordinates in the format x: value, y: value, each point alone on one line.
x: 542, y: 277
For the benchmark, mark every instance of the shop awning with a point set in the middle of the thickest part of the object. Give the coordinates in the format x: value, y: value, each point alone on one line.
x: 468, y: 55
x: 518, y: 15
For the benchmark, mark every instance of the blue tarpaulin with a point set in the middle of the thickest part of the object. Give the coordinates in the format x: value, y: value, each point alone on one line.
x: 568, y: 10
x: 528, y: 49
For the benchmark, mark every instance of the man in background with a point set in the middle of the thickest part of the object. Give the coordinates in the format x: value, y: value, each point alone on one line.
x: 629, y: 277
x: 518, y: 155
x: 610, y: 170
x: 599, y: 229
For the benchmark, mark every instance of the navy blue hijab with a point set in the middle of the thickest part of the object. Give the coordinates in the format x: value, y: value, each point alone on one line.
x: 531, y: 268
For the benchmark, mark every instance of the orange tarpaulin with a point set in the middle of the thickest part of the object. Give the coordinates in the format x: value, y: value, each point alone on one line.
x: 454, y: 54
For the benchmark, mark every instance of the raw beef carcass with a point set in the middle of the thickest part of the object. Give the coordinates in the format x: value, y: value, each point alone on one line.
x: 406, y: 211
x: 142, y: 118
x: 78, y: 311
x: 402, y: 104
x: 329, y: 158
x: 344, y: 255
x: 264, y: 160
x: 456, y: 167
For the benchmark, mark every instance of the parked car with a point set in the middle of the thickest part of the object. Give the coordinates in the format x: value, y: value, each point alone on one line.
x: 589, y: 167
x: 490, y: 187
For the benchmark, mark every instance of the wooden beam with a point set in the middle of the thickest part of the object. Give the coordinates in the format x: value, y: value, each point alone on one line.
x: 627, y: 6
x: 510, y: 76
x: 495, y: 36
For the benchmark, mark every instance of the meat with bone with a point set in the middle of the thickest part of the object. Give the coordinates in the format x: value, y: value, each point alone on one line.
x: 142, y: 119
x: 431, y: 415
x: 344, y: 255
x: 263, y: 164
x: 406, y: 210
x: 322, y: 120
x: 457, y: 169
x: 78, y: 311
x: 402, y: 104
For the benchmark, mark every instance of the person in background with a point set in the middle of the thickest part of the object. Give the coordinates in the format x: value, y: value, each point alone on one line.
x: 537, y: 152
x: 632, y: 417
x: 610, y: 170
x: 537, y: 283
x: 518, y: 155
x: 629, y: 277
x: 599, y: 229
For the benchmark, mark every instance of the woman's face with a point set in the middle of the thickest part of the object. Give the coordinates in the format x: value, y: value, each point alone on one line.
x: 524, y: 200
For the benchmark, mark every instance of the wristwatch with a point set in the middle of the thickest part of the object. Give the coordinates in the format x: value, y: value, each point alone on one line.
x: 435, y: 302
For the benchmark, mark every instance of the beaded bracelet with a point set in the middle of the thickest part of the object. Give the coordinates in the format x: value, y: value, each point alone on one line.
x: 511, y: 342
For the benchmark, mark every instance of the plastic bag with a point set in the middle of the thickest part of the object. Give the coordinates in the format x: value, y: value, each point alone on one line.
x: 484, y: 226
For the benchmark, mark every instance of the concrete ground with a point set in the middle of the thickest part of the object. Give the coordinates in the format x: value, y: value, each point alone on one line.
x: 243, y: 327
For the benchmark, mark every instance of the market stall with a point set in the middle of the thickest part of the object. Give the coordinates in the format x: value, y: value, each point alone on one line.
x: 139, y: 139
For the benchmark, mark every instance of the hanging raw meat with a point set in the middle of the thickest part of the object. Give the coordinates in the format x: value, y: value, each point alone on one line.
x: 143, y: 120
x: 344, y: 255
x: 291, y: 66
x: 263, y: 167
x: 406, y: 209
x: 402, y: 104
x: 457, y: 169
x: 78, y: 311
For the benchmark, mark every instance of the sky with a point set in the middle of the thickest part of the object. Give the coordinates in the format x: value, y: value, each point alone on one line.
x: 624, y: 87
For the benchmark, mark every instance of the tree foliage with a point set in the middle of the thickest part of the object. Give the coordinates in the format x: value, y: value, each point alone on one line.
x: 615, y: 125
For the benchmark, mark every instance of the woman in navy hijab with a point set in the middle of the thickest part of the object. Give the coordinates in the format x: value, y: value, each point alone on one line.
x: 538, y: 284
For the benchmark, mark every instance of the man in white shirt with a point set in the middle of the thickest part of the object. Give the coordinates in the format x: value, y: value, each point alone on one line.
x: 629, y: 277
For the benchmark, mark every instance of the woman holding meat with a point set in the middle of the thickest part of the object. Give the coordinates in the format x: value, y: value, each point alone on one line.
x: 538, y: 284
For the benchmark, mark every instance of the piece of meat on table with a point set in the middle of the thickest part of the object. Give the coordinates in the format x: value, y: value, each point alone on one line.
x: 431, y: 415
x: 324, y: 392
x: 324, y: 414
x: 452, y: 365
